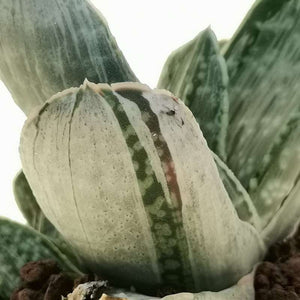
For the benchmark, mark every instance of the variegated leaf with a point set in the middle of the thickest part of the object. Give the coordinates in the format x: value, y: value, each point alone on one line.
x: 20, y: 244
x: 243, y: 290
x: 238, y: 195
x: 197, y: 74
x: 135, y: 188
x: 279, y: 172
x: 29, y: 207
x: 263, y: 60
x: 37, y: 219
x: 286, y: 218
x: 48, y: 46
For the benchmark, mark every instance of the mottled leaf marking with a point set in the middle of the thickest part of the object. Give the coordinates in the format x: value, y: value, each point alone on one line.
x: 263, y: 64
x: 197, y: 74
x: 167, y: 230
x: 19, y: 245
x: 48, y: 46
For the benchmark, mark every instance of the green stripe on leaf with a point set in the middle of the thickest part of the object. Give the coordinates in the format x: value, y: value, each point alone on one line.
x: 160, y: 213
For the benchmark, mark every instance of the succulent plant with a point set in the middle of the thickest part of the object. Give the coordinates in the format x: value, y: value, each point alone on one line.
x: 170, y: 202
x: 21, y: 244
x: 122, y: 175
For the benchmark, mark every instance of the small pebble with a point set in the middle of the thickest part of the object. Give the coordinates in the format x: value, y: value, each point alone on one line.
x: 37, y: 272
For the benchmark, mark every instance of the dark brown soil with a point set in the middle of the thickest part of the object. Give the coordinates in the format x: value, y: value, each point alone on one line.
x: 278, y: 277
x: 43, y: 280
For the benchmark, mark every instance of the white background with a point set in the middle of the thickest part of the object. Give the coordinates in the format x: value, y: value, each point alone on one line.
x: 146, y: 31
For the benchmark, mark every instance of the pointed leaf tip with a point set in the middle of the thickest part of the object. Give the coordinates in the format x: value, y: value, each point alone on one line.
x: 197, y: 74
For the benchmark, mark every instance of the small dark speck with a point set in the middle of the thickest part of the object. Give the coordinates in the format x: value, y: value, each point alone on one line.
x: 170, y: 112
x: 182, y: 122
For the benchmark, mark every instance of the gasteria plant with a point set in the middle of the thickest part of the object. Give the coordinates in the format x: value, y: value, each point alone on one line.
x: 123, y: 181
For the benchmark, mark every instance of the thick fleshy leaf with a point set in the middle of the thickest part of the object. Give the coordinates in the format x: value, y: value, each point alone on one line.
x: 48, y: 46
x: 135, y: 188
x: 286, y: 218
x: 279, y: 173
x: 238, y: 195
x: 20, y: 244
x: 243, y: 290
x: 197, y: 74
x: 263, y: 60
x: 30, y: 208
x: 37, y: 219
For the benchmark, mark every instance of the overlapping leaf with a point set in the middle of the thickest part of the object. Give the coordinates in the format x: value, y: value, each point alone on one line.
x: 212, y: 216
x: 279, y: 172
x: 197, y: 74
x: 238, y: 195
x: 19, y: 245
x: 207, y: 99
x: 48, y: 46
x: 286, y: 218
x: 263, y: 142
x: 30, y: 208
x: 263, y: 62
x: 36, y: 218
x: 243, y: 290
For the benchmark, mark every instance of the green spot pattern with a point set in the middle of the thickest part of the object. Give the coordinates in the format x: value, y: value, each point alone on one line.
x: 197, y: 74
x: 166, y: 227
x: 19, y: 245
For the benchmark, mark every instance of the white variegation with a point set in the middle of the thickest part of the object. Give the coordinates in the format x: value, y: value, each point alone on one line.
x: 78, y: 163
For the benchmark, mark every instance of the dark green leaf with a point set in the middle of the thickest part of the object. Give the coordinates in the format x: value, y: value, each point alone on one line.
x: 279, y: 173
x: 263, y: 61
